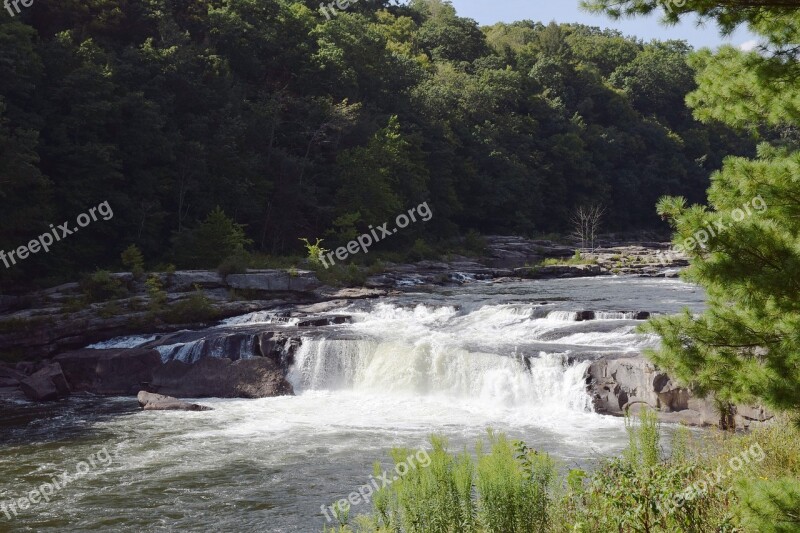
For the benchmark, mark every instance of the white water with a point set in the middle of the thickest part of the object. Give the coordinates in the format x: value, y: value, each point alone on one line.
x: 453, y: 364
x: 259, y: 317
x: 131, y: 341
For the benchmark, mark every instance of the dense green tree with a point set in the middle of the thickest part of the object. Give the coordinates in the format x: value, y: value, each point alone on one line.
x: 744, y: 347
x: 283, y: 118
x: 209, y: 243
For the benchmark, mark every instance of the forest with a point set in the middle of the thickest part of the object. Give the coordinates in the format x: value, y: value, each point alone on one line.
x: 299, y: 124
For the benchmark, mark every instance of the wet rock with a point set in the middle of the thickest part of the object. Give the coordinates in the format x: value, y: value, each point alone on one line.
x: 259, y: 377
x: 617, y: 384
x: 109, y: 372
x: 279, y: 347
x: 324, y: 321
x: 46, y: 385
x: 158, y: 402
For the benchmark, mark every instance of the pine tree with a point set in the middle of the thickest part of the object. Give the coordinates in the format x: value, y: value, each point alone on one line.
x: 745, y: 248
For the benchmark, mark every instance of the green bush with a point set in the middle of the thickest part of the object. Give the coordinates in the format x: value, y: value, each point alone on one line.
x: 102, y: 286
x: 156, y: 293
x: 421, y: 250
x: 513, y: 489
x: 133, y: 260
x: 197, y: 308
x: 315, y: 252
x: 475, y: 242
x: 211, y: 242
x: 238, y: 263
x: 341, y: 275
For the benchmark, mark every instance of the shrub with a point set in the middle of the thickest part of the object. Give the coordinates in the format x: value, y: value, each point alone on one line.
x: 102, y: 286
x: 197, y: 308
x: 420, y: 251
x: 211, y: 242
x: 133, y: 260
x: 315, y: 252
x: 341, y: 275
x: 238, y: 263
x: 513, y: 489
x: 156, y: 292
x: 475, y: 242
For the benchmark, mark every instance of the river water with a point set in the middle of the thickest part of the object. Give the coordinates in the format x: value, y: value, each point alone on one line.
x: 454, y: 362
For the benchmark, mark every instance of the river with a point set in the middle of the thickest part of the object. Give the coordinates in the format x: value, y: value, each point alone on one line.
x: 454, y: 361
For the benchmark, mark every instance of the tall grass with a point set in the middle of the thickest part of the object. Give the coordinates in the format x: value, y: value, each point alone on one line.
x: 510, y: 488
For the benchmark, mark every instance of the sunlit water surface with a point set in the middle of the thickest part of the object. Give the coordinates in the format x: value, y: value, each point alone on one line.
x: 454, y: 362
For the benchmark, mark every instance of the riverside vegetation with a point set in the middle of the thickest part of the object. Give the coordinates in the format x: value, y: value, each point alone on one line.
x: 510, y: 488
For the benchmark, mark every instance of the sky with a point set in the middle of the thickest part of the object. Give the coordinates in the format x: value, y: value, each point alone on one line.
x: 647, y: 28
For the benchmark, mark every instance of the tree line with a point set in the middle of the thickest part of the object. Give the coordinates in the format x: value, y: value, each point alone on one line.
x: 299, y: 126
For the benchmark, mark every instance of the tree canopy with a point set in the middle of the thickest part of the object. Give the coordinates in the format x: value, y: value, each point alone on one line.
x: 300, y: 126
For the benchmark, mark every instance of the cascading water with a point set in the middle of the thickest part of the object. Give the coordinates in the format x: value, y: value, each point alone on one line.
x: 454, y: 363
x: 490, y: 354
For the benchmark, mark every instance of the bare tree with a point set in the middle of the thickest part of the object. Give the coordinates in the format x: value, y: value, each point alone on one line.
x: 586, y: 224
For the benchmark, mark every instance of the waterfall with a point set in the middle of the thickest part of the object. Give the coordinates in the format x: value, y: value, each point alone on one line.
x: 433, y: 369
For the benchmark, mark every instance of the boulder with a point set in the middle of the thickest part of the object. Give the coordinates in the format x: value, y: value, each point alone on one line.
x: 324, y: 321
x: 115, y: 372
x: 617, y: 384
x: 279, y: 347
x: 158, y: 402
x: 258, y: 377
x: 46, y: 385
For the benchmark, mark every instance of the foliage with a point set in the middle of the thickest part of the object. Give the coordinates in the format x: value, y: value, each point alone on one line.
x: 197, y: 308
x: 238, y: 263
x: 475, y: 242
x: 295, y: 125
x: 744, y: 248
x: 576, y: 259
x: 512, y: 488
x: 102, y: 286
x: 315, y: 252
x: 156, y: 293
x: 133, y: 260
x: 211, y: 242
x: 349, y: 275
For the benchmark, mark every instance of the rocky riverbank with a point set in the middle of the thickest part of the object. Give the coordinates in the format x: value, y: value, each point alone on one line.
x: 50, y: 338
x: 227, y: 362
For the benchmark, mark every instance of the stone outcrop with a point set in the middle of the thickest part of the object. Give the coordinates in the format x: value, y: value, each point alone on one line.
x: 274, y: 281
x: 46, y: 384
x: 109, y: 372
x: 620, y: 383
x: 259, y: 377
x: 158, y: 402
